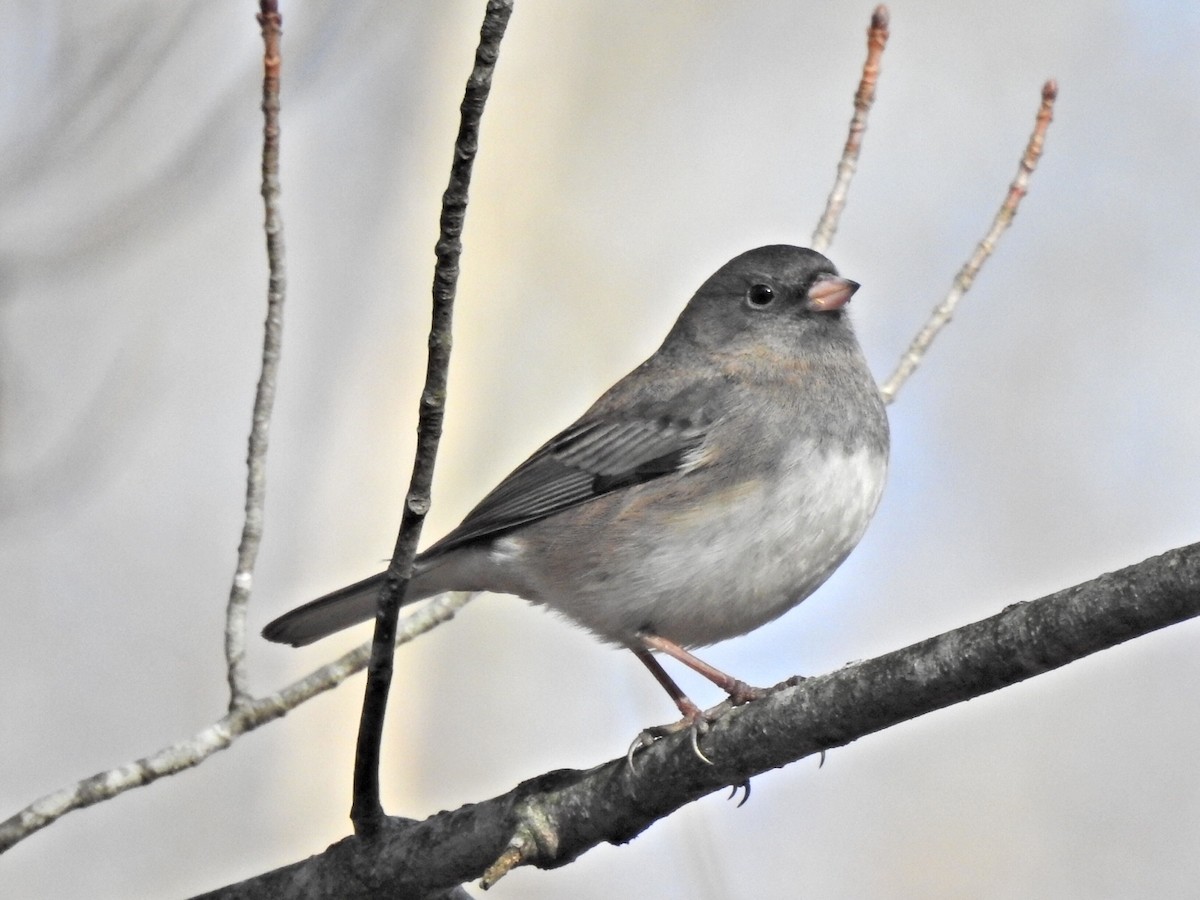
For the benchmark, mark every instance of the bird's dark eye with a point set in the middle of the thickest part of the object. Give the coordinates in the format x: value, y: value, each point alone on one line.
x: 760, y: 294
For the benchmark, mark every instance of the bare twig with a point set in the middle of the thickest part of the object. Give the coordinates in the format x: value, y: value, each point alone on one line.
x: 552, y: 819
x: 271, y: 23
x: 249, y: 715
x: 367, y: 810
x: 966, y: 276
x: 864, y: 97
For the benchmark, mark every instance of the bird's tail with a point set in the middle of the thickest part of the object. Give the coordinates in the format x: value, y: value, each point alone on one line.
x: 463, y: 569
x: 325, y: 615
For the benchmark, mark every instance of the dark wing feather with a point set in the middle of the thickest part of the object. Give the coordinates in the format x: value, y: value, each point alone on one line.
x: 589, y: 459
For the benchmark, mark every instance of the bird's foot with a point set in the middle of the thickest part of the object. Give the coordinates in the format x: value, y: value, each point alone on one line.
x: 741, y: 693
x: 696, y: 721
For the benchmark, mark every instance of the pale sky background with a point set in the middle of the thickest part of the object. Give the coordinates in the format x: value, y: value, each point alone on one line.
x: 630, y: 148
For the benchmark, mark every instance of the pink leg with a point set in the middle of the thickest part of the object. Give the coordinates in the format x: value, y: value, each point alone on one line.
x: 689, y: 709
x: 739, y: 692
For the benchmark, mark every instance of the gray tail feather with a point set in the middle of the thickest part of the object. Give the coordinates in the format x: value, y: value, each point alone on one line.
x: 325, y: 615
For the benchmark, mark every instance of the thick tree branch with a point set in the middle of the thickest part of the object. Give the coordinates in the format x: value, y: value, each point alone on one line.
x: 550, y: 820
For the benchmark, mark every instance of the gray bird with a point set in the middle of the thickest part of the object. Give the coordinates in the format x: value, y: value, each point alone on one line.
x: 706, y: 493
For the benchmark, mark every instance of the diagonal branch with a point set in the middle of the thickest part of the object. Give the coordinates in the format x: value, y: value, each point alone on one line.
x: 550, y: 820
x: 192, y: 751
x: 367, y: 810
x: 942, y: 313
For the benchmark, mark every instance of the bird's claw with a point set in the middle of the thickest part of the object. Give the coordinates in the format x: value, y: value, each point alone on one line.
x: 699, y: 727
x: 645, y: 739
x: 744, y: 786
x: 697, y: 724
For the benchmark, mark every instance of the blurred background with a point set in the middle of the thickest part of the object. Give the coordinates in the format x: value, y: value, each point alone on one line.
x: 629, y: 149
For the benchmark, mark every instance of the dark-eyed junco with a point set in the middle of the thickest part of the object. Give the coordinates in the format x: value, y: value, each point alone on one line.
x: 707, y: 492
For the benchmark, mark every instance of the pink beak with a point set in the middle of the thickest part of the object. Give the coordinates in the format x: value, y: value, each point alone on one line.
x: 830, y: 293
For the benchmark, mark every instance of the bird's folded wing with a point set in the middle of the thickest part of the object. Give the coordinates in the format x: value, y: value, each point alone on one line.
x: 589, y: 459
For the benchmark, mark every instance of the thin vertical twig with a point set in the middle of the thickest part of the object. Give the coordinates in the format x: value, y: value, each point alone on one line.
x: 271, y: 23
x: 864, y: 97
x: 367, y: 811
x: 943, y: 312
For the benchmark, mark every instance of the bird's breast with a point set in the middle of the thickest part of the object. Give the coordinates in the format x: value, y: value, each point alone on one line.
x: 708, y: 555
